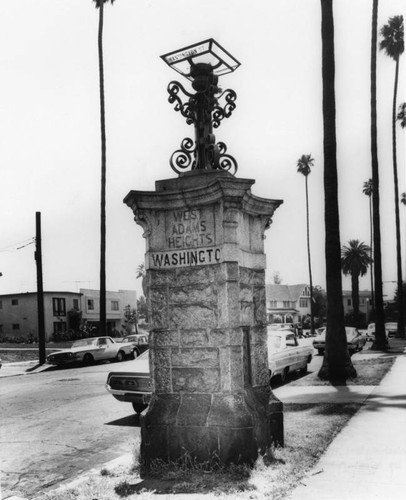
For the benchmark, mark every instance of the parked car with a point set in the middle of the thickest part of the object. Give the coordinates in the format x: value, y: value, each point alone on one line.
x: 139, y: 342
x: 285, y: 354
x: 132, y: 387
x: 355, y: 340
x: 90, y: 350
x: 391, y: 328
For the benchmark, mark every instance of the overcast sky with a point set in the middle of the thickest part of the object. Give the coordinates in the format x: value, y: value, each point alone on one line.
x: 50, y: 139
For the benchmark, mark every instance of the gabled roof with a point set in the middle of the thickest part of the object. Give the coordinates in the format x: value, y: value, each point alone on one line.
x: 284, y: 292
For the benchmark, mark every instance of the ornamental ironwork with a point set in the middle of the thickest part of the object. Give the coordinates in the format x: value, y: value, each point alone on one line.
x: 205, y: 109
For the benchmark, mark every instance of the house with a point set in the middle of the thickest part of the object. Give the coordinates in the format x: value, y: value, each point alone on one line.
x: 365, y: 302
x: 287, y: 303
x: 19, y: 315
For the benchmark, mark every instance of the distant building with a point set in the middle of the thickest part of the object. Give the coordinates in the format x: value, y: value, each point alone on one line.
x: 365, y: 302
x: 19, y: 317
x: 287, y: 303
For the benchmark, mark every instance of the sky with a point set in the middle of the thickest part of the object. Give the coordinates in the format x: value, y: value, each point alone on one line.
x: 50, y: 128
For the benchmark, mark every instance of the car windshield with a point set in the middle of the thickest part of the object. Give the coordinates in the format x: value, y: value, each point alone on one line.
x: 84, y: 342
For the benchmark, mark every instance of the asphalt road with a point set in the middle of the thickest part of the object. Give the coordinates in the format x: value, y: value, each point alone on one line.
x: 59, y: 423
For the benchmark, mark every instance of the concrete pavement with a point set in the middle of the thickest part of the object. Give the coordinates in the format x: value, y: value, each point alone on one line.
x: 367, y: 459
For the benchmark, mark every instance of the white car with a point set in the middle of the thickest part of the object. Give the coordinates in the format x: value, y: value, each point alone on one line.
x: 285, y: 354
x: 92, y: 349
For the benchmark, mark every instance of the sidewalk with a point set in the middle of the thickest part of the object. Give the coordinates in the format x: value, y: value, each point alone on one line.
x: 367, y: 460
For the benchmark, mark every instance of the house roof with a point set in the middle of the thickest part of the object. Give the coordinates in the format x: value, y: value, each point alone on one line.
x: 284, y: 292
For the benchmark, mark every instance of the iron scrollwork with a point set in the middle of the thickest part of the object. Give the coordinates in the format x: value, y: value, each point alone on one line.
x: 202, y: 110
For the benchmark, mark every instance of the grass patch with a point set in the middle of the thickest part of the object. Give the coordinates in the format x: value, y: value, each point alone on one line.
x: 18, y: 355
x: 369, y: 372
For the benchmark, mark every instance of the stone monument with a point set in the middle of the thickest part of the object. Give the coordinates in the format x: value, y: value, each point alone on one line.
x: 205, y: 280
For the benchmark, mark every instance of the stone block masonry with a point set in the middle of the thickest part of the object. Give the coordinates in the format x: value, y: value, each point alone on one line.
x: 206, y: 297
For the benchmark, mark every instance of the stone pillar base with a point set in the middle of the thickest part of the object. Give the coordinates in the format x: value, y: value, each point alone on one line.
x: 208, y: 428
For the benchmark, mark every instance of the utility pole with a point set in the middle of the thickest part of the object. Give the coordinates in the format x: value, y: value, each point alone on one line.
x: 40, y: 290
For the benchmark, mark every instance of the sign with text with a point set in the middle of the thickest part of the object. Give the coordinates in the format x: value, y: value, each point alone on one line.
x: 189, y: 239
x: 189, y: 228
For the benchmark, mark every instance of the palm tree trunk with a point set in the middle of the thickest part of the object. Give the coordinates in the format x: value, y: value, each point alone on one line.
x: 401, y: 330
x: 371, y: 255
x: 355, y: 295
x: 337, y: 364
x: 380, y: 342
x: 103, y: 319
x: 309, y: 259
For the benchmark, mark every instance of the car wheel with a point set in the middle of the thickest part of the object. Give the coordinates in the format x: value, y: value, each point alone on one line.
x: 284, y: 374
x: 88, y: 358
x: 120, y: 356
x: 138, y: 408
x: 320, y: 351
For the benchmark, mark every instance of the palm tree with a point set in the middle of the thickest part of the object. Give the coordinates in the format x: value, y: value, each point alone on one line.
x: 103, y: 317
x: 142, y: 274
x: 355, y: 259
x: 393, y: 45
x: 403, y: 198
x: 304, y: 164
x: 367, y: 190
x: 380, y: 342
x: 337, y: 365
x: 402, y: 114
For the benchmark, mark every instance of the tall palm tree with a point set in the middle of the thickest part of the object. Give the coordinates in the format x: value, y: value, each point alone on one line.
x: 380, y: 342
x: 355, y: 259
x: 103, y: 316
x: 304, y: 165
x: 393, y: 44
x: 367, y: 190
x: 337, y: 365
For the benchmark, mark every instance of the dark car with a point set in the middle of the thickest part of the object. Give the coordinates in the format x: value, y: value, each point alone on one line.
x: 139, y: 342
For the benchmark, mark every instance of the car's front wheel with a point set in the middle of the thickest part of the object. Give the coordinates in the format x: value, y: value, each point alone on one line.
x: 120, y: 356
x: 88, y: 359
x: 284, y: 374
x: 320, y: 351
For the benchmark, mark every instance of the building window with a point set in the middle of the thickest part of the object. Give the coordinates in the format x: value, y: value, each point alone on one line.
x: 14, y: 302
x: 60, y: 326
x: 362, y: 301
x: 286, y: 303
x: 16, y: 326
x: 273, y: 303
x: 76, y: 304
x: 114, y: 305
x: 59, y: 306
x: 1, y: 328
x: 303, y: 303
x: 1, y: 304
x: 90, y: 304
x: 348, y: 302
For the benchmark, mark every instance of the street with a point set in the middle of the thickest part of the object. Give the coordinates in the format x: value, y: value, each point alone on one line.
x: 59, y: 423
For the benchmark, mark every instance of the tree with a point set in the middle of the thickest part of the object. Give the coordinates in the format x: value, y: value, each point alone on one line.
x: 103, y: 317
x: 355, y: 259
x: 304, y: 164
x: 402, y: 114
x: 380, y: 342
x: 141, y: 273
x: 403, y: 198
x: 277, y: 278
x: 367, y: 190
x: 337, y: 365
x: 393, y: 45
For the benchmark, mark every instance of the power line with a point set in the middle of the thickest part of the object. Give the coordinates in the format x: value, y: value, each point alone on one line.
x: 17, y: 246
